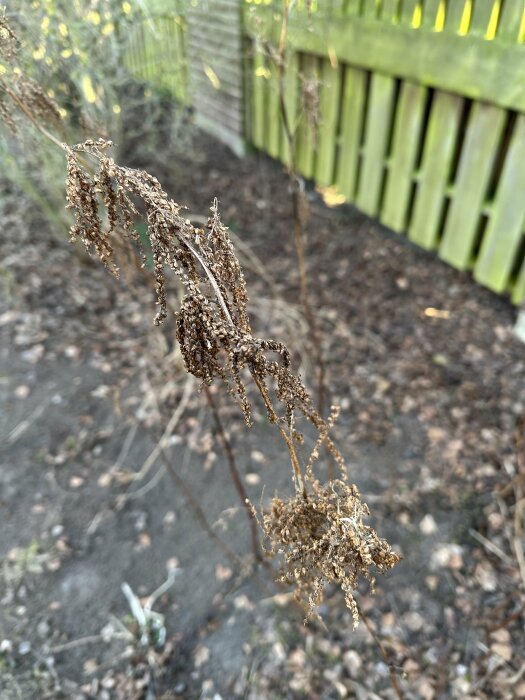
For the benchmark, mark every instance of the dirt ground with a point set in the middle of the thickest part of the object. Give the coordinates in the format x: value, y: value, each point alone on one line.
x: 431, y: 384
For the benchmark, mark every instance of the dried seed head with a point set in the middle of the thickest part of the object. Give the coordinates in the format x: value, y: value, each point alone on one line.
x: 323, y: 539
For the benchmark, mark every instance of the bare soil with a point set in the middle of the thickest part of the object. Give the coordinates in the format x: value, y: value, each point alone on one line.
x: 431, y: 382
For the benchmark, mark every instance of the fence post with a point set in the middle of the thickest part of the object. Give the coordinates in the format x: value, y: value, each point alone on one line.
x: 215, y: 55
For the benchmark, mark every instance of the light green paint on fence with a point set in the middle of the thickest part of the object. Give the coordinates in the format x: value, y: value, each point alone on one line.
x: 440, y: 140
x: 475, y: 168
x: 329, y: 110
x: 505, y: 229
x: 353, y: 115
x: 407, y: 133
x: 378, y: 119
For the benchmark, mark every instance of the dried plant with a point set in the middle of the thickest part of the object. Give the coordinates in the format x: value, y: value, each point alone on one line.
x: 319, y: 530
x: 323, y: 539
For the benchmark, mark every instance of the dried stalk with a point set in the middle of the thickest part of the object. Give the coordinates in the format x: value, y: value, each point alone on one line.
x: 319, y: 530
x: 234, y: 472
x: 297, y: 197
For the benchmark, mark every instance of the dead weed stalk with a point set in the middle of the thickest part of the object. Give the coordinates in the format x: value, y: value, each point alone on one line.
x: 319, y: 530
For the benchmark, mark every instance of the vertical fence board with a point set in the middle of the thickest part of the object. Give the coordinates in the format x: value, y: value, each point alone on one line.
x: 369, y: 9
x: 406, y: 141
x: 505, y: 229
x: 440, y: 139
x: 454, y: 15
x: 481, y: 14
x: 351, y: 128
x: 475, y: 166
x: 330, y: 96
x: 273, y: 115
x: 291, y: 86
x: 352, y: 7
x: 430, y: 13
x: 518, y: 293
x: 258, y: 97
x: 510, y: 20
x: 307, y: 136
x: 390, y: 11
x: 378, y: 125
x: 408, y: 8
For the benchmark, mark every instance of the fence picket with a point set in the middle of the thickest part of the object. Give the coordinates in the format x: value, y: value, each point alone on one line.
x: 430, y: 13
x: 370, y: 9
x: 273, y: 112
x: 352, y: 119
x: 481, y: 15
x: 440, y: 139
x: 390, y: 11
x: 259, y: 91
x: 475, y: 166
x: 307, y: 132
x: 407, y: 131
x: 378, y: 121
x: 505, y: 228
x: 454, y: 15
x: 291, y: 87
x: 329, y: 109
x: 408, y: 9
x: 510, y: 20
x: 518, y: 292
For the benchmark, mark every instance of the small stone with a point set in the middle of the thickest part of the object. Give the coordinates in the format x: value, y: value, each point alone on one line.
x: 201, y: 655
x: 502, y: 650
x: 428, y: 525
x: 169, y: 517
x: 352, y: 662
x: 22, y: 391
x: 24, y: 648
x: 502, y: 635
x: 253, y: 479
x: 414, y: 621
x: 222, y: 573
x: 6, y: 646
x: 42, y: 629
x: 447, y: 555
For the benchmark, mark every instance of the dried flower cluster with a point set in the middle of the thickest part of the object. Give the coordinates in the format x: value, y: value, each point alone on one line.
x: 323, y: 539
x: 319, y: 530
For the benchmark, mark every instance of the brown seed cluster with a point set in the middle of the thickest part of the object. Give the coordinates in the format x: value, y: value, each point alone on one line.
x: 322, y: 539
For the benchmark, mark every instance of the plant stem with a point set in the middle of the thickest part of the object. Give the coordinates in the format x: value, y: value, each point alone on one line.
x: 393, y: 676
x: 199, y: 513
x: 296, y: 194
x: 234, y: 472
x: 288, y: 439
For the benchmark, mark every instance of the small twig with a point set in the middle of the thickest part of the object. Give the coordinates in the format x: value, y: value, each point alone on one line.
x: 393, y: 676
x: 199, y: 513
x: 490, y: 546
x: 168, y: 431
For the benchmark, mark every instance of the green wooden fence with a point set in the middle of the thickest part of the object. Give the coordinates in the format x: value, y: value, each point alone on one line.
x: 414, y: 110
x: 157, y: 52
